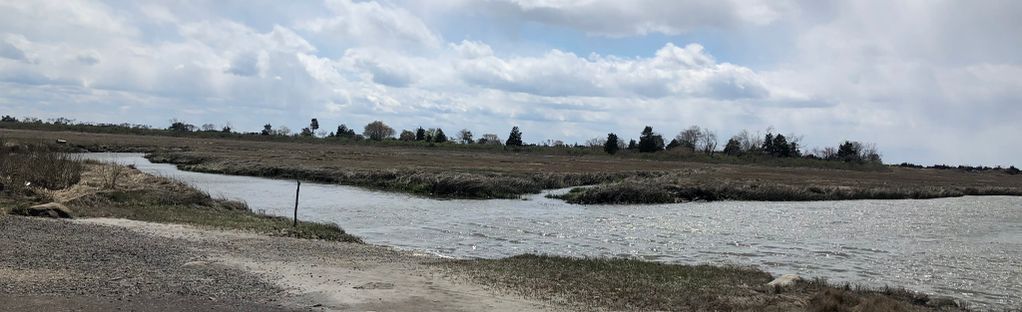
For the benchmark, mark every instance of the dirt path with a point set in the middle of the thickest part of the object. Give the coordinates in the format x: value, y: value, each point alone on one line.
x: 327, y: 276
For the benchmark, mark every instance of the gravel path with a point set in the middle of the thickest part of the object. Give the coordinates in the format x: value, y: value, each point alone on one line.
x: 48, y: 265
x: 99, y: 264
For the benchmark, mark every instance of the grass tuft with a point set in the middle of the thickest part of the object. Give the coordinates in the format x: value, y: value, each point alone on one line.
x: 633, y: 285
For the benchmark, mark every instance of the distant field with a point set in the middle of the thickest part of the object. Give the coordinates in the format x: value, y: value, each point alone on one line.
x: 494, y: 173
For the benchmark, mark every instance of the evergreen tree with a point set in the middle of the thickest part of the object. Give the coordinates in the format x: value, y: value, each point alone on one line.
x: 439, y: 136
x: 314, y: 125
x: 768, y: 144
x: 632, y: 145
x: 611, y: 146
x: 848, y: 151
x: 267, y: 129
x: 650, y: 142
x: 733, y: 147
x: 674, y: 143
x: 780, y: 147
x: 515, y: 138
x: 344, y: 132
x: 420, y: 134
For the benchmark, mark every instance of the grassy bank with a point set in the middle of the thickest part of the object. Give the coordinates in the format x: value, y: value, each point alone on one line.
x: 632, y: 285
x: 40, y: 174
x: 674, y: 189
x: 432, y: 183
x: 117, y: 192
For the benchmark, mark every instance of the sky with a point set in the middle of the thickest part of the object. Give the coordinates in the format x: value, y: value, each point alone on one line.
x: 927, y: 81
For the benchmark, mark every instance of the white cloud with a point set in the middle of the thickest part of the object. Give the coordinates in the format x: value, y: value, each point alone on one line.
x: 373, y: 24
x: 672, y: 71
x: 638, y: 17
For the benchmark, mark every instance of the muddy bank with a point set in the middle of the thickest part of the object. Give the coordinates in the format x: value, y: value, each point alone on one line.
x: 666, y: 190
x: 632, y: 187
x: 432, y: 183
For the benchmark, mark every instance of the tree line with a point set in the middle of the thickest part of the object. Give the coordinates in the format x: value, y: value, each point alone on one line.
x: 703, y: 140
x: 694, y: 139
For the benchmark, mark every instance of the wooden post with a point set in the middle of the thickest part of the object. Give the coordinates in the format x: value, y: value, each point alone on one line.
x: 297, y: 192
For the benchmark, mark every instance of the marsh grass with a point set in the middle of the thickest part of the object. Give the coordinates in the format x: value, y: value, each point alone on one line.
x: 170, y: 201
x: 40, y: 166
x: 660, y: 191
x: 633, y: 285
x: 92, y: 189
x: 438, y: 184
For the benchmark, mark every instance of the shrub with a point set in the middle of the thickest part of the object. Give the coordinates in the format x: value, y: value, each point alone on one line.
x: 37, y: 166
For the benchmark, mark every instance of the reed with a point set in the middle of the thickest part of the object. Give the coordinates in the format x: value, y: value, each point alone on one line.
x: 27, y: 166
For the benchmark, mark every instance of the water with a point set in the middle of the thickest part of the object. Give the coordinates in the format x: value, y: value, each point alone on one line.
x: 968, y: 248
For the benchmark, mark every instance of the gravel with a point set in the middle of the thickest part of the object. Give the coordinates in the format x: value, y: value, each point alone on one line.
x: 62, y: 264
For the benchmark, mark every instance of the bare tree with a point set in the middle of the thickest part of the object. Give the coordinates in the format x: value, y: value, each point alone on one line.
x: 690, y: 138
x: 828, y: 153
x: 465, y: 137
x: 748, y: 141
x: 596, y: 142
x: 490, y: 138
x: 378, y: 130
x: 708, y: 141
x: 869, y: 152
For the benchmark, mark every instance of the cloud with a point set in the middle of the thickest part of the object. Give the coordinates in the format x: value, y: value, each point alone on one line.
x: 244, y: 64
x: 672, y: 71
x: 913, y: 77
x: 372, y: 24
x: 8, y: 50
x: 638, y: 17
x: 88, y: 58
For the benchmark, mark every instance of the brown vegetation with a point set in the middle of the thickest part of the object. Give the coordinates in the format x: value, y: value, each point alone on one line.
x: 102, y: 190
x: 486, y: 173
x: 632, y: 285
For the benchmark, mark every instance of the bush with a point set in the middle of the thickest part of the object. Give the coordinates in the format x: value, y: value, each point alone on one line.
x: 37, y: 166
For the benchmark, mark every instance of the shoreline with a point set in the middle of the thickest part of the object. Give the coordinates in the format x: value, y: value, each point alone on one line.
x: 601, y: 189
x: 383, y: 278
x: 549, y: 282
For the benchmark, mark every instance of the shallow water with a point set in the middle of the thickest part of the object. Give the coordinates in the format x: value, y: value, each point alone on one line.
x: 968, y: 248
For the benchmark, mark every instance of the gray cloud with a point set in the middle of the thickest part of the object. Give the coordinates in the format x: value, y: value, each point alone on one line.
x: 8, y: 50
x: 638, y: 17
x: 244, y: 64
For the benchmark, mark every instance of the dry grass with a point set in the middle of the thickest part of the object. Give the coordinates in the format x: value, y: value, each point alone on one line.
x: 92, y: 189
x: 673, y: 189
x: 36, y: 166
x: 632, y: 285
x: 485, y: 173
x: 120, y: 192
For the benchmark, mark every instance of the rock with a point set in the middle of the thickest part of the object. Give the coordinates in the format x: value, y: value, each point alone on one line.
x: 785, y: 280
x: 51, y: 210
x: 61, y: 141
x: 197, y: 263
